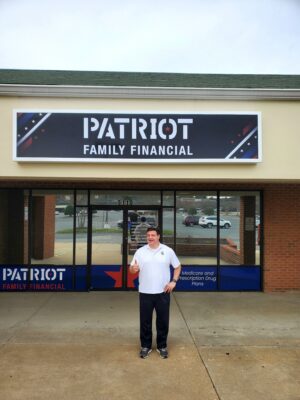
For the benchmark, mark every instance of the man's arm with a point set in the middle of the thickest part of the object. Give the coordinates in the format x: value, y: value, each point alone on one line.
x: 177, y: 272
x: 171, y: 285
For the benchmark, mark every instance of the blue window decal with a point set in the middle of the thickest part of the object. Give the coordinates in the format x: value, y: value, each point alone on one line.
x: 240, y: 278
x: 80, y: 277
x: 197, y: 278
x: 106, y: 276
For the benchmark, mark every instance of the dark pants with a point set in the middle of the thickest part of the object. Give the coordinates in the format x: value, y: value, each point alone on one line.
x: 161, y: 303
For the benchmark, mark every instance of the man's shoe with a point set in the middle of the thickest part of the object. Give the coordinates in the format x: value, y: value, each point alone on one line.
x: 145, y: 351
x: 163, y: 352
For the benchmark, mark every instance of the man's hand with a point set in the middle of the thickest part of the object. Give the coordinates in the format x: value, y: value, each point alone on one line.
x: 135, y: 267
x: 169, y: 287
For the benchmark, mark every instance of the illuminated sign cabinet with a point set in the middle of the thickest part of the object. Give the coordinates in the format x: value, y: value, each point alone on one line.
x: 128, y: 137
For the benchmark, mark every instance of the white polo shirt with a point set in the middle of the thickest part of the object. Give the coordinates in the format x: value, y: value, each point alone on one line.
x: 154, y: 266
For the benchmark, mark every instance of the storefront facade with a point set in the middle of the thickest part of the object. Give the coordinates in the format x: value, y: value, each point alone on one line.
x: 216, y: 168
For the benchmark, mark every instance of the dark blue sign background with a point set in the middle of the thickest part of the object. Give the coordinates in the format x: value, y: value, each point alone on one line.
x: 157, y: 136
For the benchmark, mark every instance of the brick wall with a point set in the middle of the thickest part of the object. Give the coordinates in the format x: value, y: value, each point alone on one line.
x: 282, y: 238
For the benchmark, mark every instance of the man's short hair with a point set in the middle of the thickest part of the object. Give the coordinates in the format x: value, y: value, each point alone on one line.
x: 154, y: 228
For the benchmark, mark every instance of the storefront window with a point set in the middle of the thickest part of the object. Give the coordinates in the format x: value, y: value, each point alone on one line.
x: 125, y: 198
x: 216, y: 234
x: 196, y: 244
x: 168, y: 227
x: 240, y: 228
x: 52, y: 227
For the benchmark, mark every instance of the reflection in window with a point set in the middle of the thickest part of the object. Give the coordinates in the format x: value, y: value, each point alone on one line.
x: 107, y: 237
x: 195, y: 244
x: 240, y: 243
x: 168, y: 199
x: 168, y: 227
x: 26, y: 227
x: 81, y: 235
x: 81, y: 197
x: 52, y: 227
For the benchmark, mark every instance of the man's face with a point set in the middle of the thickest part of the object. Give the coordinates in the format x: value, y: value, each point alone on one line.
x: 153, y: 238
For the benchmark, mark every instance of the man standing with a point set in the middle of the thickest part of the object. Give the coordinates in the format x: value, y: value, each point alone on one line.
x: 153, y: 261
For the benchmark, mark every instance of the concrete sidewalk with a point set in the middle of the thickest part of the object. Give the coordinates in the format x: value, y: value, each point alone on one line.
x: 229, y: 346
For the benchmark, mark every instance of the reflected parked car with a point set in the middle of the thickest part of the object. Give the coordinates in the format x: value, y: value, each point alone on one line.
x: 191, y: 220
x: 210, y: 220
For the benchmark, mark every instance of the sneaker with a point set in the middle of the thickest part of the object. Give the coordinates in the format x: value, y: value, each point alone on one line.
x: 145, y: 351
x: 163, y: 352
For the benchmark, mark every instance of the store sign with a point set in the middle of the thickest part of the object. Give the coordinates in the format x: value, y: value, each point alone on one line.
x: 90, y: 136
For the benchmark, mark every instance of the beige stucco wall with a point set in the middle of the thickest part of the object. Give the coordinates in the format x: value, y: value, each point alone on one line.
x: 280, y: 134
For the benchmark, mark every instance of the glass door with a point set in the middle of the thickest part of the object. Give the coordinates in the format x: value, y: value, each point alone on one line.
x: 114, y: 235
x: 138, y: 221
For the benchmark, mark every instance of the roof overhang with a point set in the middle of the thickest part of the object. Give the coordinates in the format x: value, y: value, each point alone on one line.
x: 131, y: 92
